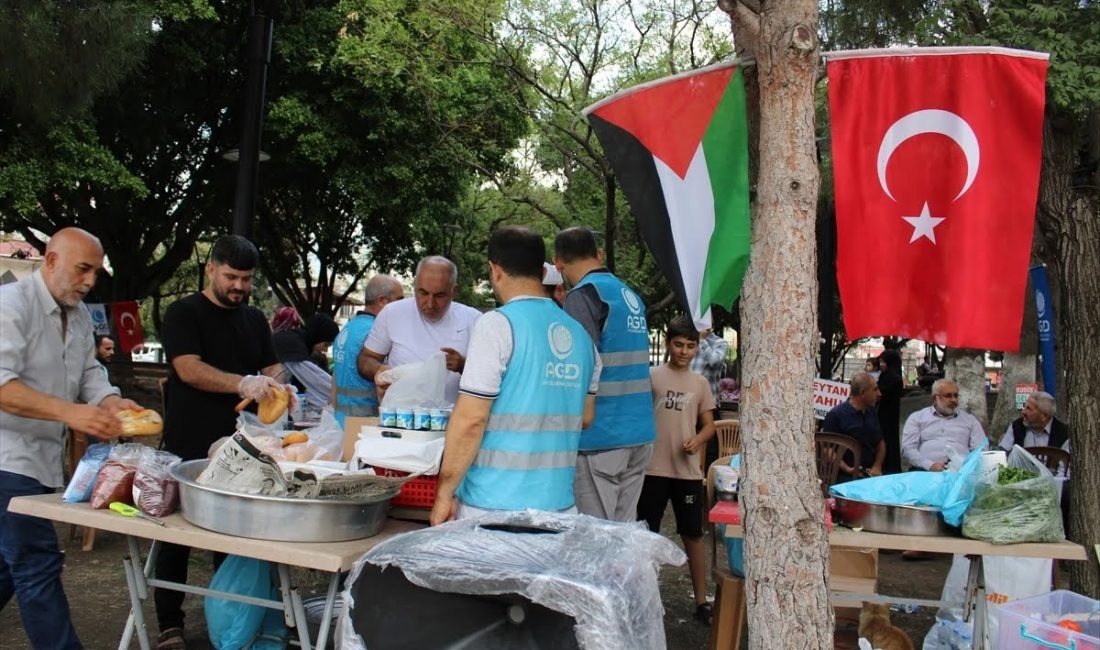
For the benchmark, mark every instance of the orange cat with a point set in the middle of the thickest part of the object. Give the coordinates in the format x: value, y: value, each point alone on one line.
x: 874, y: 625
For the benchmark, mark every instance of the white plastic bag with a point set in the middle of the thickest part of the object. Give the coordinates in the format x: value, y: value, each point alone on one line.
x: 417, y: 384
x: 416, y: 452
x: 1012, y: 578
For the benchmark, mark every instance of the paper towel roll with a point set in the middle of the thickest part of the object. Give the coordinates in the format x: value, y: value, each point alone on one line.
x: 988, y: 464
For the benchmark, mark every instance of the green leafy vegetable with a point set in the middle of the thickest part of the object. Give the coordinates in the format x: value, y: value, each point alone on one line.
x: 1008, y: 475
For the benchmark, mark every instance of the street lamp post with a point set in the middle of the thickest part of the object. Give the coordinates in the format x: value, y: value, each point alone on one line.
x: 260, y: 31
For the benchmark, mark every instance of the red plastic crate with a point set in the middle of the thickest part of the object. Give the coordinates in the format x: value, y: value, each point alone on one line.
x: 417, y: 493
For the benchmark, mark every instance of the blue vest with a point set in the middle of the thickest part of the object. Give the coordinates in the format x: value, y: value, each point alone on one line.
x: 528, y: 454
x: 355, y: 396
x: 624, y: 405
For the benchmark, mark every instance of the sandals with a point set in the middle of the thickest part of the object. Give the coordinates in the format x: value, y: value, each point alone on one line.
x: 171, y: 639
x: 704, y: 613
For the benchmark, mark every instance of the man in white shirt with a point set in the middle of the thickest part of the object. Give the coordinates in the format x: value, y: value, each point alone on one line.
x: 409, y: 331
x: 929, y: 432
x: 1037, y: 426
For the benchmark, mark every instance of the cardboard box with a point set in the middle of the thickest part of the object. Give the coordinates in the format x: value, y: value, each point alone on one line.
x: 853, y: 570
x: 352, y: 426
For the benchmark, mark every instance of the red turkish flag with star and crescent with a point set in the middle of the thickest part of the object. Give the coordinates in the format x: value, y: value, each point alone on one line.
x: 936, y: 155
x: 127, y: 321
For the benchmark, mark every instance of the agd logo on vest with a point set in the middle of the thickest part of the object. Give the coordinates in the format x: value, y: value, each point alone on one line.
x: 561, y: 346
x: 635, y: 320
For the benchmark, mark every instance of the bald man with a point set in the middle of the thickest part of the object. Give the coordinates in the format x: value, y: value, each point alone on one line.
x: 47, y: 366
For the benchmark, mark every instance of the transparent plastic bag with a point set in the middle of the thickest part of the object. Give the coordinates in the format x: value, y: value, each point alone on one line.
x: 155, y: 492
x: 115, y: 481
x: 1026, y: 511
x: 417, y: 384
x: 579, y: 569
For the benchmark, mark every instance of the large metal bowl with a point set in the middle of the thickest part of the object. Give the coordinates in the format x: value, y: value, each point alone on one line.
x: 281, y: 519
x: 898, y: 520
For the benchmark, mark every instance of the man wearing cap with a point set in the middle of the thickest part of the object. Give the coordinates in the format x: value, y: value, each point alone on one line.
x: 615, y: 451
x: 553, y: 283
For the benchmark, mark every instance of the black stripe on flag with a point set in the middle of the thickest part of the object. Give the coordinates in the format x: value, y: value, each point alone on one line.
x: 637, y: 176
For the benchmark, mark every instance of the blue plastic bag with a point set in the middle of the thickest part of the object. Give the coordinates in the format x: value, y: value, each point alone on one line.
x: 233, y: 625
x: 959, y: 493
x: 81, y: 485
x: 951, y: 492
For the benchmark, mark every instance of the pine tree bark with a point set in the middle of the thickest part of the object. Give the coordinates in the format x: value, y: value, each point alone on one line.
x: 1069, y: 219
x: 785, y: 544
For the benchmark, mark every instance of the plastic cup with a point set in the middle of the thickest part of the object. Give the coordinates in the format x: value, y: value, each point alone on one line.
x: 440, y: 418
x: 387, y: 417
x: 421, y: 419
x: 404, y: 419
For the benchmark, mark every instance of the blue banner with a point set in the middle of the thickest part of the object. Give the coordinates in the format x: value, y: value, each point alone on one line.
x: 1044, y: 310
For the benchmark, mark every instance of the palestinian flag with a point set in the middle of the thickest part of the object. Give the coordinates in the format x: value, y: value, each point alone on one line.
x: 679, y: 148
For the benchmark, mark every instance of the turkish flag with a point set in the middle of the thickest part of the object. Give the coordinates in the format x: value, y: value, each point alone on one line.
x: 127, y: 322
x: 936, y: 157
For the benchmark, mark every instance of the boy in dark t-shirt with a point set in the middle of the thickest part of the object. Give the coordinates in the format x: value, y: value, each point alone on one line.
x: 219, y: 350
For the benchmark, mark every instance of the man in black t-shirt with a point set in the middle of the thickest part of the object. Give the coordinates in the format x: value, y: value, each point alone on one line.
x: 219, y: 350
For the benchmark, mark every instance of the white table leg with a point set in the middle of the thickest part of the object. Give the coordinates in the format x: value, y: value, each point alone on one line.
x: 295, y: 613
x: 975, y: 608
x: 136, y: 620
x: 326, y: 617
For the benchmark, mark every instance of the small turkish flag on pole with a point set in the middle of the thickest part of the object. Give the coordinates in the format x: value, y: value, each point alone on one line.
x: 936, y: 155
x: 127, y: 322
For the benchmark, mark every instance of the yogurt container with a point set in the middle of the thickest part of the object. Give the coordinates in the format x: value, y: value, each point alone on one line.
x: 421, y: 419
x: 387, y: 417
x: 404, y: 419
x: 439, y: 419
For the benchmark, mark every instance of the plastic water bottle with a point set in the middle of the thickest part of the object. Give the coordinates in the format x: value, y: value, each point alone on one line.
x: 298, y: 414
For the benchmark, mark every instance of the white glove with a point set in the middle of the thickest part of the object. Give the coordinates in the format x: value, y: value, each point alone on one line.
x: 292, y: 393
x: 256, y: 387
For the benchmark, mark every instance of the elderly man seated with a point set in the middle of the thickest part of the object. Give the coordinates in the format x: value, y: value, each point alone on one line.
x: 1037, y: 426
x: 929, y: 432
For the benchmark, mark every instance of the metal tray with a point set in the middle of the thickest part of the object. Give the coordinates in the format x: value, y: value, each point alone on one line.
x: 897, y: 520
x: 281, y: 519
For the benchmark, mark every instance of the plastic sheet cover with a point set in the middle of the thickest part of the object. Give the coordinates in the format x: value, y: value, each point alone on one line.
x: 603, y: 574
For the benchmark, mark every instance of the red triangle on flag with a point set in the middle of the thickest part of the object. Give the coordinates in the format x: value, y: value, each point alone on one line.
x: 670, y: 118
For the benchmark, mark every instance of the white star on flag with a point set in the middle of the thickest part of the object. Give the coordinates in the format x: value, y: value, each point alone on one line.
x: 924, y: 225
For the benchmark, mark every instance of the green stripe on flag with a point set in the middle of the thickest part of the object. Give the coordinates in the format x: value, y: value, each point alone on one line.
x: 725, y: 145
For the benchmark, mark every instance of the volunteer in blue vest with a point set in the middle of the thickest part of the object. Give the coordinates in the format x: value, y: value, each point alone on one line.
x: 615, y: 450
x: 353, y: 394
x: 527, y: 390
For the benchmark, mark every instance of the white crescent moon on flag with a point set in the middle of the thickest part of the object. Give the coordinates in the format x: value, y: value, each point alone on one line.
x: 930, y: 121
x: 122, y: 321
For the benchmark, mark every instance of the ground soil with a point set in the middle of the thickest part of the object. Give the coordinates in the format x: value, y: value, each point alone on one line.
x: 96, y: 586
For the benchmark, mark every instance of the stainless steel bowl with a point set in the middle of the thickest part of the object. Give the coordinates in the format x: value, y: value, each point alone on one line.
x: 281, y: 519
x: 898, y: 520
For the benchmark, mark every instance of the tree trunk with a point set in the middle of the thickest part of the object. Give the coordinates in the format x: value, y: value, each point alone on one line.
x: 785, y: 545
x: 966, y: 367
x: 1070, y: 223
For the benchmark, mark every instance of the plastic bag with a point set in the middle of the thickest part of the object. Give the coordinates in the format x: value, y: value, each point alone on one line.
x: 577, y: 569
x: 115, y: 481
x: 326, y: 441
x: 156, y: 493
x: 417, y: 384
x: 84, y: 476
x: 1026, y: 511
x: 958, y: 493
x: 1010, y: 578
x: 950, y: 631
x: 232, y: 625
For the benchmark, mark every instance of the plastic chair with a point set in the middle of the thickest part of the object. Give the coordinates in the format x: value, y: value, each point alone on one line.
x: 830, y: 449
x: 1052, y: 457
x: 730, y: 609
x: 729, y: 436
